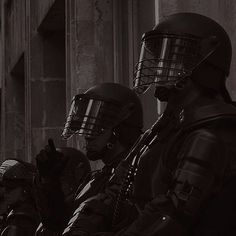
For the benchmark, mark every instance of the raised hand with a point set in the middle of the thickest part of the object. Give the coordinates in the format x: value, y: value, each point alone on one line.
x: 49, y: 161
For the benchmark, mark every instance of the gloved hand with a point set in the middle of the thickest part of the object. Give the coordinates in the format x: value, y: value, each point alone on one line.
x: 50, y: 163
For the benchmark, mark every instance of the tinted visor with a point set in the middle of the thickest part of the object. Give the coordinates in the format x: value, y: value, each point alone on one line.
x: 90, y: 116
x: 165, y: 59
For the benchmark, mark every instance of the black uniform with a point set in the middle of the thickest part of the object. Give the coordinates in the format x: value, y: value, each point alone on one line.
x: 191, y: 184
x: 187, y: 189
x: 94, y: 186
x: 90, y: 187
x: 185, y: 180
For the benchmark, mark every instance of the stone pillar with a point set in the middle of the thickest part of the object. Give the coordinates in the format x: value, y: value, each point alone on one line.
x: 89, y: 44
x: 218, y: 10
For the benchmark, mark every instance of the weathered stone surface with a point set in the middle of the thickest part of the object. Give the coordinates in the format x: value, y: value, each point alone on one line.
x: 15, y: 140
x: 54, y: 55
x: 39, y: 10
x: 94, y: 42
x: 36, y: 46
x: 44, y: 91
x: 15, y: 30
x: 95, y: 51
x: 48, y: 60
x: 48, y: 103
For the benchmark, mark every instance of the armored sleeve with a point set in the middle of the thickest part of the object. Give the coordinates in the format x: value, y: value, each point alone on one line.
x: 196, y: 178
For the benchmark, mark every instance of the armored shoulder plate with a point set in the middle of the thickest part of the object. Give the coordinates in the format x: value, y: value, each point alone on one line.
x: 207, y: 114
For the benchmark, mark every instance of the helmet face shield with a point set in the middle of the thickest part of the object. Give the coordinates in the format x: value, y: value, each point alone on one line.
x: 90, y: 116
x: 165, y: 59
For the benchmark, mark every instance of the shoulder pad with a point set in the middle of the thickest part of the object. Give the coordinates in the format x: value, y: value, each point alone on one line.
x: 207, y: 114
x: 201, y: 141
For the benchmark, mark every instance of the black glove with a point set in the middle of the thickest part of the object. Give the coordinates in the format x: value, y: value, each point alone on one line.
x: 50, y: 163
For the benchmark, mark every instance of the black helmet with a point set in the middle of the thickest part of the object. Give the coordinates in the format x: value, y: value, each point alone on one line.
x: 177, y: 46
x: 104, y: 106
x: 16, y: 172
x: 76, y: 169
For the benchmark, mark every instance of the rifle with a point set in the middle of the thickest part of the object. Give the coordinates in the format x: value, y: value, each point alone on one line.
x: 131, y: 163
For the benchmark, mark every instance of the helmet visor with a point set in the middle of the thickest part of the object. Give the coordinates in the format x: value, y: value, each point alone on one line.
x: 165, y: 59
x: 90, y: 116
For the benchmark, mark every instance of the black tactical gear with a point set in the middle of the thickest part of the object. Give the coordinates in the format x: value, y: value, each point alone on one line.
x: 55, y: 193
x: 50, y: 162
x: 190, y: 166
x: 184, y: 184
x: 191, y: 177
x: 86, y: 193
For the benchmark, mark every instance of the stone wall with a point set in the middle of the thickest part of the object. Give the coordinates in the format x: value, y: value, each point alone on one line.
x: 33, y: 76
x: 54, y: 49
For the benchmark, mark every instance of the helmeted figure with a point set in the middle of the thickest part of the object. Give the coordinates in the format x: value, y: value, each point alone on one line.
x: 190, y: 56
x: 184, y: 183
x: 16, y: 177
x: 110, y: 118
x: 109, y: 115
